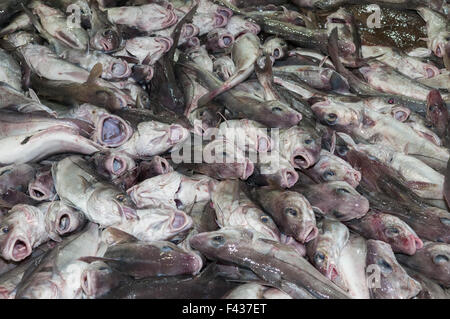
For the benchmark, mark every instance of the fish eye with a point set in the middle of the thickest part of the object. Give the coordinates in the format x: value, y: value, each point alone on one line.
x: 276, y: 109
x: 218, y: 241
x: 166, y: 249
x: 5, y: 229
x: 319, y: 257
x: 102, y: 268
x: 392, y: 231
x: 308, y: 141
x: 264, y: 219
x: 342, y: 191
x: 342, y: 150
x: 439, y: 259
x: 331, y: 118
x: 291, y: 211
x: 328, y: 174
x: 385, y: 266
x: 120, y: 198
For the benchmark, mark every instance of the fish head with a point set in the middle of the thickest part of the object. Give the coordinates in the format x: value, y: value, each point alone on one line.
x: 275, y: 47
x: 337, y: 200
x: 110, y: 201
x: 341, y: 116
x: 229, y: 159
x: 391, y: 280
x: 15, y: 242
x: 64, y: 219
x: 98, y: 278
x: 281, y: 114
x: 112, y: 131
x: 113, y: 164
x: 331, y: 168
x: 434, y: 258
x: 222, y: 244
x: 304, y: 145
x: 395, y: 232
x: 261, y: 222
x: 118, y: 69
x: 106, y: 40
x: 298, y: 215
x: 175, y: 257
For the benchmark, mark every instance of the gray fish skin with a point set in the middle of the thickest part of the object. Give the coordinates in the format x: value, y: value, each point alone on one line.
x: 205, y: 285
x: 393, y: 281
x: 335, y: 200
x: 58, y: 274
x: 431, y: 261
x: 290, y: 210
x: 276, y: 263
x: 152, y: 259
x: 78, y: 185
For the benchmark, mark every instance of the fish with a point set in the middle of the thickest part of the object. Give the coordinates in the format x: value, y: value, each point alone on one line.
x: 256, y: 291
x: 432, y: 261
x: 234, y: 208
x: 387, y: 228
x: 324, y: 250
x: 278, y: 264
x: 391, y: 281
x: 334, y: 200
x: 99, y: 200
x: 290, y: 210
x: 153, y: 259
x: 58, y: 273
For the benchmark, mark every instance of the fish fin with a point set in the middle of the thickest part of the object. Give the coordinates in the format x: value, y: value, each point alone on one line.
x: 55, y: 237
x: 95, y: 73
x: 91, y: 259
x: 34, y: 96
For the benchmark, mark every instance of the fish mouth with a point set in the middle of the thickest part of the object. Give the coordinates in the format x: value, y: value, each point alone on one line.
x: 19, y: 249
x: 353, y: 178
x: 171, y: 18
x: 166, y: 43
x: 116, y: 165
x: 227, y: 13
x: 431, y: 71
x: 225, y: 41
x: 64, y: 223
x: 113, y: 131
x: 120, y: 70
x: 302, y: 159
x: 289, y: 178
x: 128, y: 212
x: 88, y: 283
x: 220, y: 21
x: 193, y: 42
x: 177, y: 134
x: 190, y: 30
x: 412, y: 244
x: 39, y: 192
x: 332, y: 272
x: 308, y: 234
x: 253, y: 28
x: 264, y: 144
x: 106, y: 40
x: 180, y: 221
x: 194, y: 263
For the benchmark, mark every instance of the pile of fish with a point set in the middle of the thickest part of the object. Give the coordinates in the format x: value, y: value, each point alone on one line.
x: 122, y: 168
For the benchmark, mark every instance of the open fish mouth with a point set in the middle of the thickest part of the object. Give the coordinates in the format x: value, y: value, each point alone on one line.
x: 302, y: 159
x: 289, y: 177
x: 116, y: 165
x: 180, y: 221
x: 113, y: 131
x: 19, y: 249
